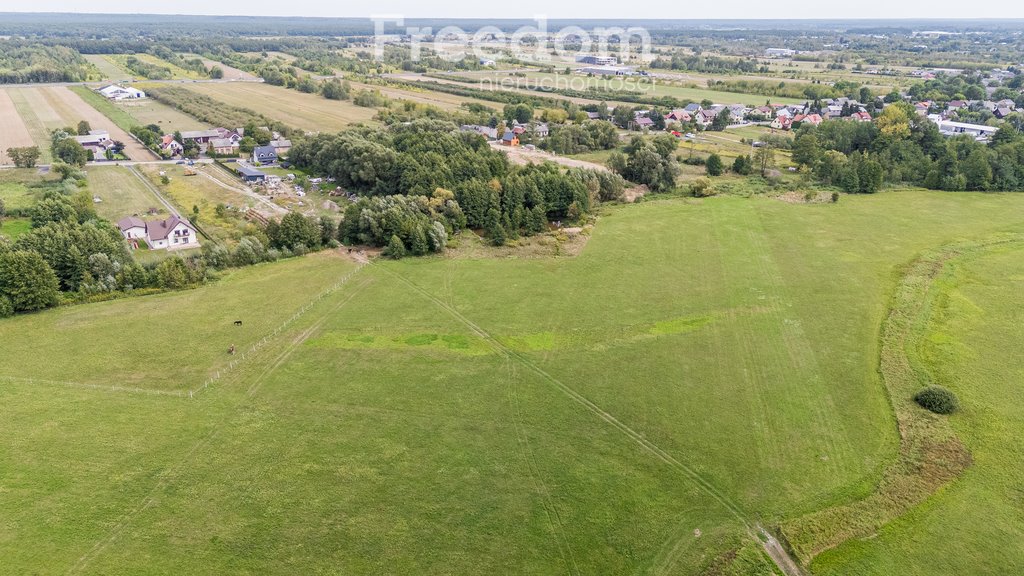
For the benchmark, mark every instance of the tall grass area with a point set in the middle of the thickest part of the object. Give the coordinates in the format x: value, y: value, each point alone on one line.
x: 969, y: 344
x: 701, y: 367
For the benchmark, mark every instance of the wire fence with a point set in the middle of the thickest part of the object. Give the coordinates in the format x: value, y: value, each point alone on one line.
x: 261, y: 343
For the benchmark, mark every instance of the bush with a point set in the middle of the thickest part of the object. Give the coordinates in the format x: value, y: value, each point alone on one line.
x: 6, y: 308
x: 937, y: 399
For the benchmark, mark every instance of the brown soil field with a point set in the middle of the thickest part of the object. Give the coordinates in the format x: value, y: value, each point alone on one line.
x: 13, y: 132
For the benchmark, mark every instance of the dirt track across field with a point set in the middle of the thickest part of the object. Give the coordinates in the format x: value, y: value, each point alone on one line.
x: 13, y: 133
x: 73, y: 109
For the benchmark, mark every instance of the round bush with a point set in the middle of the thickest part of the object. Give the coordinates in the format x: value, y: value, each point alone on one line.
x: 937, y: 399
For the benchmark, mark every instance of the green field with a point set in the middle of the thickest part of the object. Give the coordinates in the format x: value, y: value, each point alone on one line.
x: 969, y: 343
x: 108, y: 68
x: 702, y: 367
x: 14, y: 227
x: 122, y: 193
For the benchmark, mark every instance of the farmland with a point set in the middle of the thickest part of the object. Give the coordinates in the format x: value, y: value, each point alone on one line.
x: 536, y: 415
x: 110, y: 70
x: 144, y: 112
x: 43, y: 109
x: 305, y: 111
x: 13, y: 132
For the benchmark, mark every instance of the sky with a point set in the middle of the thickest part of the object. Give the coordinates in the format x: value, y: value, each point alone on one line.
x: 669, y: 9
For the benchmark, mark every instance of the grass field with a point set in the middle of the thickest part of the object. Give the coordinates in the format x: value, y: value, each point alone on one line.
x: 122, y: 192
x: 108, y: 68
x: 969, y: 345
x: 203, y: 192
x: 14, y: 227
x: 702, y: 366
x: 21, y: 188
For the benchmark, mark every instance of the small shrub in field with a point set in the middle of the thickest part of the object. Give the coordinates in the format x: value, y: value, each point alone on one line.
x: 937, y: 399
x: 701, y: 187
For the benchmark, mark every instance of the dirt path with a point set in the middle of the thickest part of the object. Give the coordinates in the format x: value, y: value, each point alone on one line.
x: 523, y: 156
x: 74, y: 109
x: 261, y: 200
x: 13, y: 132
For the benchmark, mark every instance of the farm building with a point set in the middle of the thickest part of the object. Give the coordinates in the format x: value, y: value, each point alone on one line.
x: 224, y: 146
x: 115, y: 92
x: 597, y: 60
x: 250, y: 174
x: 607, y: 70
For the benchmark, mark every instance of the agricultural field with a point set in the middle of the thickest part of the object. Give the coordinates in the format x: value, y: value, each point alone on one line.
x: 305, y: 111
x: 700, y: 368
x: 648, y: 89
x: 128, y: 113
x: 13, y: 132
x: 110, y: 70
x: 43, y: 109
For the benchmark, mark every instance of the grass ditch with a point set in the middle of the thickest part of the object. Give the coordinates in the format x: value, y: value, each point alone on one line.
x: 930, y: 453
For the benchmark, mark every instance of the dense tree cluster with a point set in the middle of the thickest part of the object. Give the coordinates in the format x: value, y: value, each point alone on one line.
x: 22, y: 63
x: 902, y: 147
x: 451, y: 178
x: 581, y: 138
x: 649, y: 162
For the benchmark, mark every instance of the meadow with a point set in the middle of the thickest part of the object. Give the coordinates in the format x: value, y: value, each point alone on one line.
x: 702, y: 367
x: 122, y: 193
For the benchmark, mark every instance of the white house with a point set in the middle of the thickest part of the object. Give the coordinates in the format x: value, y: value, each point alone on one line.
x: 169, y: 234
x: 115, y: 92
x: 132, y: 228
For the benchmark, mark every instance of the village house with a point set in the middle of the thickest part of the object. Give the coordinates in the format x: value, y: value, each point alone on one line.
x: 510, y: 139
x: 485, y: 131
x: 264, y: 155
x: 172, y: 146
x: 200, y: 137
x: 641, y: 123
x: 224, y: 146
x: 97, y: 142
x: 169, y: 234
x: 281, y: 146
x: 679, y: 116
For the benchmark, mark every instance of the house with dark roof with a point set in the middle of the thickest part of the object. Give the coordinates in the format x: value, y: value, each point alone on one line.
x: 169, y: 234
x: 509, y: 138
x: 264, y: 155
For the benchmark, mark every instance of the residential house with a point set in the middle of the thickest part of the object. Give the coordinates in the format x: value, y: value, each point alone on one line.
x: 264, y: 155
x: 485, y: 131
x: 593, y: 115
x: 705, y: 117
x: 172, y: 146
x: 641, y: 123
x: 738, y: 112
x: 782, y: 122
x: 510, y: 139
x: 692, y: 108
x: 861, y: 117
x: 1003, y: 112
x: 224, y: 146
x: 132, y: 228
x: 115, y: 92
x: 97, y: 142
x: 172, y: 233
x: 281, y: 146
x: 812, y: 119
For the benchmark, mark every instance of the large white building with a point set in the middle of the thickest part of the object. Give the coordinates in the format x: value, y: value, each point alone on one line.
x: 115, y: 92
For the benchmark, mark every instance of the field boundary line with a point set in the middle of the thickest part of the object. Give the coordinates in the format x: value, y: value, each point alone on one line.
x: 637, y: 437
x: 100, y: 387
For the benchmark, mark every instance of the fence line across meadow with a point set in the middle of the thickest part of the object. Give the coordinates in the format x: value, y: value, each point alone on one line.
x: 255, y: 347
